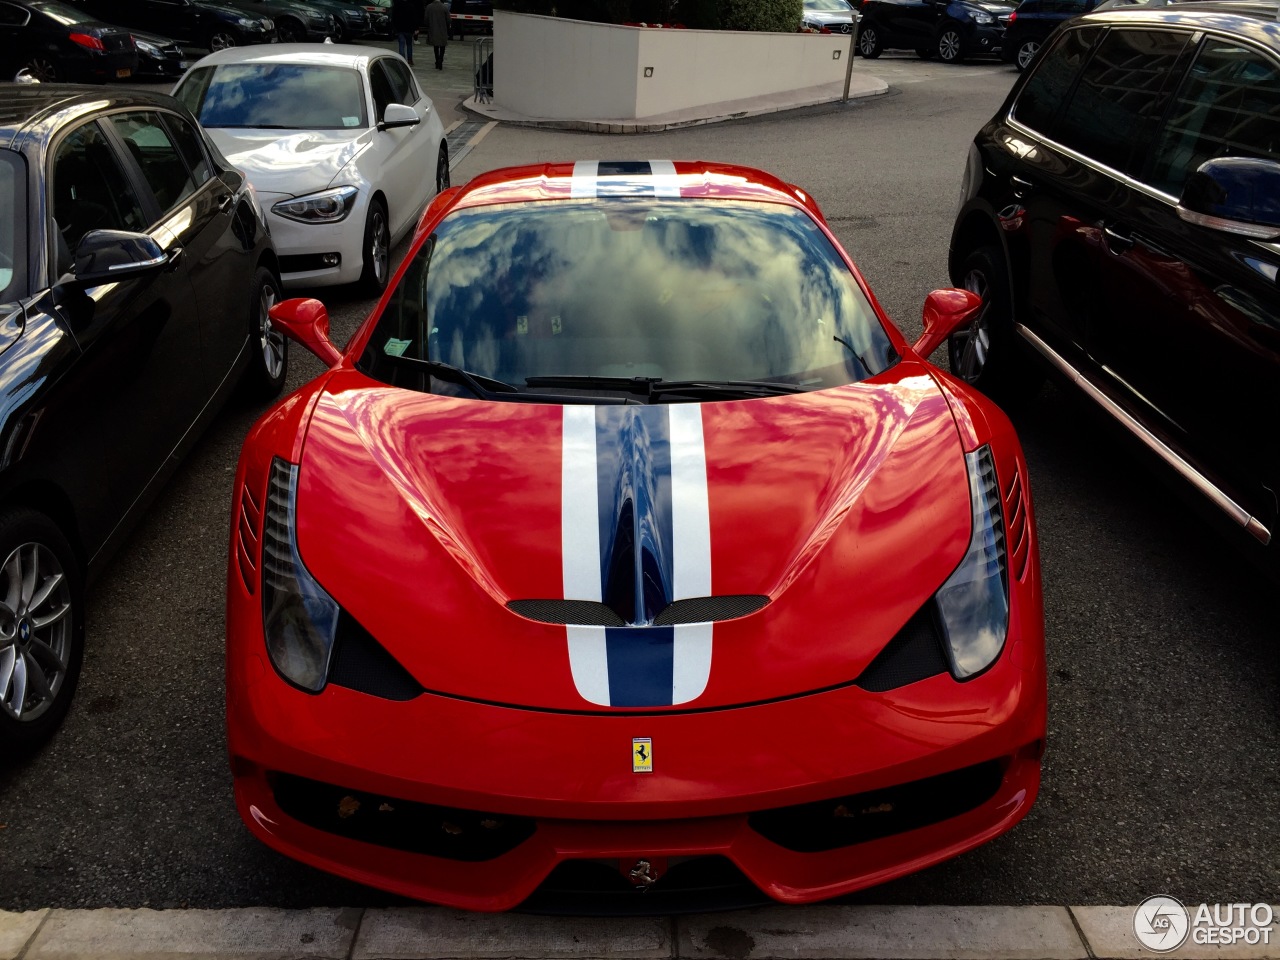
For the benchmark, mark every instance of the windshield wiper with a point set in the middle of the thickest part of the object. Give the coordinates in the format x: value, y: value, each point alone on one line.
x: 489, y: 388
x: 651, y: 387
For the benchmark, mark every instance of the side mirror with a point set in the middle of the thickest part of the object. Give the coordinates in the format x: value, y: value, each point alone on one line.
x: 399, y: 115
x: 1235, y: 195
x: 306, y: 322
x: 945, y: 312
x: 105, y: 256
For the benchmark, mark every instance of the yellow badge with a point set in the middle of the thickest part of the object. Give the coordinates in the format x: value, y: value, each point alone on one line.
x: 641, y: 755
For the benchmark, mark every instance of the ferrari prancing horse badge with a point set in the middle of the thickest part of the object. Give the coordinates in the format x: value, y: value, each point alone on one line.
x: 641, y: 755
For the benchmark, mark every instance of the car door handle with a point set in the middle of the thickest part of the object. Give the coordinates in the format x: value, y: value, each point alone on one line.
x: 1117, y: 239
x: 225, y: 201
x: 1021, y: 187
x: 175, y: 254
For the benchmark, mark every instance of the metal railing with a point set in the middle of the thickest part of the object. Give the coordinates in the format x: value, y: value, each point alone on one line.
x: 482, y: 66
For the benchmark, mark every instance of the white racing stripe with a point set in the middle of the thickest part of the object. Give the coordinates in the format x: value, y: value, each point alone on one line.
x: 584, y: 183
x: 691, y: 548
x: 580, y: 548
x: 665, y: 181
x: 589, y: 663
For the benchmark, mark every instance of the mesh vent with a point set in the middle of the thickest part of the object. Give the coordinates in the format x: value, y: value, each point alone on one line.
x: 361, y: 663
x: 708, y: 609
x: 582, y: 612
x: 1016, y: 519
x: 277, y: 556
x: 247, y: 526
x: 991, y: 491
x: 914, y: 654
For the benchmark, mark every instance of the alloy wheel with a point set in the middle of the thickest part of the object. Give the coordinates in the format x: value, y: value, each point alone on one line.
x: 35, y: 631
x: 221, y: 40
x: 42, y: 68
x: 270, y: 339
x: 977, y: 336
x: 379, y: 245
x: 949, y: 45
x: 442, y: 169
x: 867, y: 41
x: 1027, y: 52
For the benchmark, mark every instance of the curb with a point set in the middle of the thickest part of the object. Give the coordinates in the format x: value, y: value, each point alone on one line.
x: 768, y: 933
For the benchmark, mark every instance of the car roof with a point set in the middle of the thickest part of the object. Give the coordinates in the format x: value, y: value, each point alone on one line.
x: 314, y: 54
x: 23, y: 105
x: 1256, y: 19
x: 629, y: 178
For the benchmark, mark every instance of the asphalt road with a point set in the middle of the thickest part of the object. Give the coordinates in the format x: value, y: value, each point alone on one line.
x: 1163, y: 769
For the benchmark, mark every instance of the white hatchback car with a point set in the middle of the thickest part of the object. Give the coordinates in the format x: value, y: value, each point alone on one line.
x: 338, y: 143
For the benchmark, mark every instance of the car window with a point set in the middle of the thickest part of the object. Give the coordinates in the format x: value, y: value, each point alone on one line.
x: 12, y: 16
x: 1121, y: 95
x: 381, y: 88
x: 1050, y: 83
x: 1228, y: 106
x: 406, y: 90
x: 275, y: 96
x: 162, y: 167
x: 188, y: 142
x: 676, y: 289
x: 90, y: 192
x: 13, y: 227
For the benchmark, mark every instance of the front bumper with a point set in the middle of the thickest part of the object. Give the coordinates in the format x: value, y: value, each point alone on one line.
x: 984, y: 40
x: 302, y: 246
x: 568, y: 777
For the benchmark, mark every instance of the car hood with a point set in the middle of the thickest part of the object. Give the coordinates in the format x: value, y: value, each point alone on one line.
x: 829, y: 16
x: 424, y: 516
x: 999, y: 9
x: 293, y: 162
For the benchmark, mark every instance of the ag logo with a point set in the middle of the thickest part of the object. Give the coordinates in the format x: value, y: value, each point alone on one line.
x: 641, y: 755
x: 1161, y: 924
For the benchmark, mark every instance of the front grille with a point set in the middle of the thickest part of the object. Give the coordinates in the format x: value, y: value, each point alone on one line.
x: 247, y: 525
x: 914, y: 654
x: 593, y: 614
x: 597, y: 887
x: 470, y: 836
x: 361, y: 663
x: 1016, y: 519
x: 845, y: 821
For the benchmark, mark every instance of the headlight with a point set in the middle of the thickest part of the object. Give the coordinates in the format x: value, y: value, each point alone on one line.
x: 327, y: 206
x: 244, y: 23
x: 983, y: 18
x: 974, y: 602
x: 353, y: 13
x: 299, y: 619
x: 150, y: 49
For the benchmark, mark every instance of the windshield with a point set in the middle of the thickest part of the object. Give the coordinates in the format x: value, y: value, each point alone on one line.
x: 622, y: 288
x: 276, y: 96
x: 13, y: 227
x: 63, y: 13
x: 831, y: 6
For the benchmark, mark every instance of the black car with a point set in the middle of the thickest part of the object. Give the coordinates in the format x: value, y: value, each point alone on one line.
x: 194, y: 23
x: 951, y: 30
x: 159, y: 58
x: 50, y: 41
x: 135, y: 276
x: 297, y: 21
x: 1121, y: 219
x: 1031, y: 24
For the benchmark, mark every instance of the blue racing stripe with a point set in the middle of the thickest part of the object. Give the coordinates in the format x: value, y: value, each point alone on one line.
x: 641, y: 665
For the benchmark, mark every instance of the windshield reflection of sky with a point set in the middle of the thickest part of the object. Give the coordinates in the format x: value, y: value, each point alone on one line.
x: 286, y: 96
x: 678, y: 289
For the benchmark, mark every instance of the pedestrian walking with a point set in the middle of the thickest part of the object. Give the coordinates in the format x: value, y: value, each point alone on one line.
x: 438, y: 29
x: 406, y: 19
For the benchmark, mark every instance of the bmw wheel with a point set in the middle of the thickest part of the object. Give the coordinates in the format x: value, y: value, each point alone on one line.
x: 377, y: 250
x: 986, y: 354
x: 442, y: 168
x: 870, y: 44
x: 221, y: 38
x: 950, y: 44
x: 1027, y: 51
x: 269, y: 350
x: 41, y: 629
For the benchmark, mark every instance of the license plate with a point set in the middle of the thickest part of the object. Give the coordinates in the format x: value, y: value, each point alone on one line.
x: 123, y: 72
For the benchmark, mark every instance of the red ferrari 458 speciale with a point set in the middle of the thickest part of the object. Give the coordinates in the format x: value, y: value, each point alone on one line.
x: 628, y: 534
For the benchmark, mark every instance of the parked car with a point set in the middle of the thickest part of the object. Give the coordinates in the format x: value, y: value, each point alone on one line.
x: 948, y: 29
x: 1031, y: 24
x: 136, y: 272
x: 836, y: 15
x: 1120, y: 218
x: 50, y: 41
x: 351, y: 21
x: 379, y: 12
x: 297, y: 21
x: 338, y: 144
x: 196, y: 24
x: 159, y: 58
x: 628, y: 466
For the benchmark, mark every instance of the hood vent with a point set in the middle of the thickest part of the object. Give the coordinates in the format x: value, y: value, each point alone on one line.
x: 1015, y: 512
x: 247, y: 526
x: 588, y: 613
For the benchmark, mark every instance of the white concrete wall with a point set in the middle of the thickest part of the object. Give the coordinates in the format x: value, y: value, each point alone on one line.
x: 560, y: 69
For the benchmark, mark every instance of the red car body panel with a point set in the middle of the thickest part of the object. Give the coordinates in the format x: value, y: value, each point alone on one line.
x: 423, y: 515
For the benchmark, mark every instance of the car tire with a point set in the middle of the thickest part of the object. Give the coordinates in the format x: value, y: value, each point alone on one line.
x: 986, y: 354
x: 289, y: 30
x: 442, y: 168
x: 42, y: 68
x: 268, y: 348
x: 950, y: 44
x: 221, y: 38
x: 1025, y: 53
x: 340, y: 32
x: 376, y: 250
x: 48, y: 656
x: 870, y: 43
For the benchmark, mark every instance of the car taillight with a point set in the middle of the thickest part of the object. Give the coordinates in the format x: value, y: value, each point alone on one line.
x: 84, y: 40
x: 1013, y: 16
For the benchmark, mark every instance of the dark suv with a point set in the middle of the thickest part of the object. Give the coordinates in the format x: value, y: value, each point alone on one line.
x: 1121, y: 217
x: 951, y: 30
x: 1031, y: 24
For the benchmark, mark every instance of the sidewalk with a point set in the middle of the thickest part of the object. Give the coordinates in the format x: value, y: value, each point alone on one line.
x: 768, y: 933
